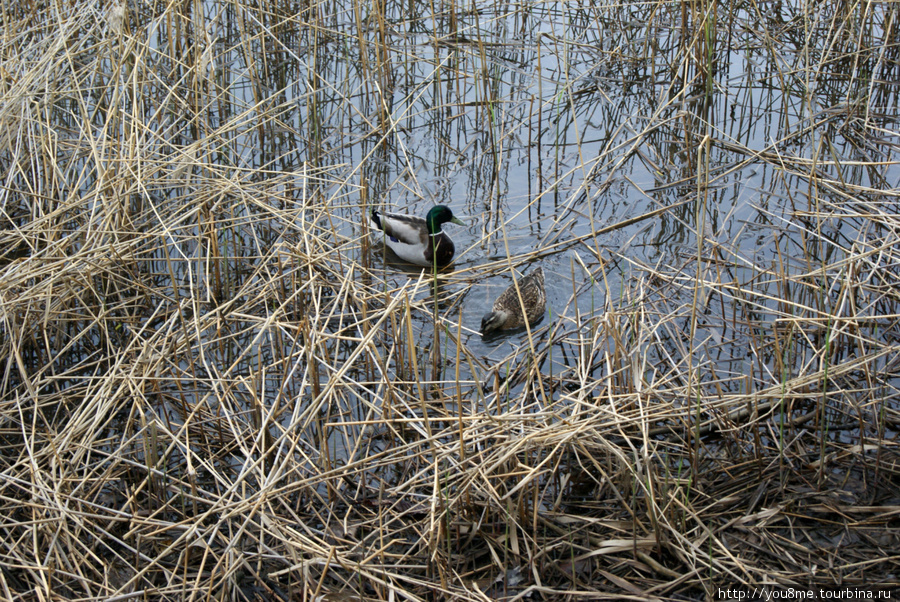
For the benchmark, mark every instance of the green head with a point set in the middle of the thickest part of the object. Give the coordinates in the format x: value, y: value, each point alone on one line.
x: 440, y: 214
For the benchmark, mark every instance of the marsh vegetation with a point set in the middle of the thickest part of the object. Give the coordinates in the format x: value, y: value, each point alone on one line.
x: 213, y: 385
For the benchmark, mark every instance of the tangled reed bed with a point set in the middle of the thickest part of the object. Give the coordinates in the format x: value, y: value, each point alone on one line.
x: 213, y: 387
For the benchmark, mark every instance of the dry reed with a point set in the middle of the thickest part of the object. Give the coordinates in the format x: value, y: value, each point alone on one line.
x: 212, y: 386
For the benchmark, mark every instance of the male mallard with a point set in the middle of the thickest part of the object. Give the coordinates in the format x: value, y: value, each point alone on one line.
x: 507, y: 310
x: 416, y: 240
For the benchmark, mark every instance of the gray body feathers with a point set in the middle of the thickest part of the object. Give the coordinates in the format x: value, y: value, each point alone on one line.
x: 414, y: 239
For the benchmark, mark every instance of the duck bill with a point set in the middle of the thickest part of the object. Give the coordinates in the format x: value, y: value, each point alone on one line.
x: 489, y: 322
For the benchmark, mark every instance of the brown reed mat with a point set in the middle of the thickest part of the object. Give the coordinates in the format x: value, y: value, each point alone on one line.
x: 215, y: 386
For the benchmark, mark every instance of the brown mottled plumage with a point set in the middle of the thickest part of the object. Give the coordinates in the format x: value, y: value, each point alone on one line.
x: 507, y: 310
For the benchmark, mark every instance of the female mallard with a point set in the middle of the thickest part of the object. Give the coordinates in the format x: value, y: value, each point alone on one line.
x: 416, y: 240
x: 507, y: 310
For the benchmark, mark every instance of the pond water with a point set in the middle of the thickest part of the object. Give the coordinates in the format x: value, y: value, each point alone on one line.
x: 540, y: 124
x: 708, y: 199
x: 594, y: 141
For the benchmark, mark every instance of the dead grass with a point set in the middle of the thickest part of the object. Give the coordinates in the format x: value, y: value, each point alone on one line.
x: 211, y: 387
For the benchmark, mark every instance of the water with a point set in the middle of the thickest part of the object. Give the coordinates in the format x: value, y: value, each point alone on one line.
x: 595, y: 141
x: 540, y: 124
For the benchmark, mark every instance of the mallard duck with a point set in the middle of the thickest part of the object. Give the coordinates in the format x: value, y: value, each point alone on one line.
x: 416, y: 240
x: 507, y: 310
